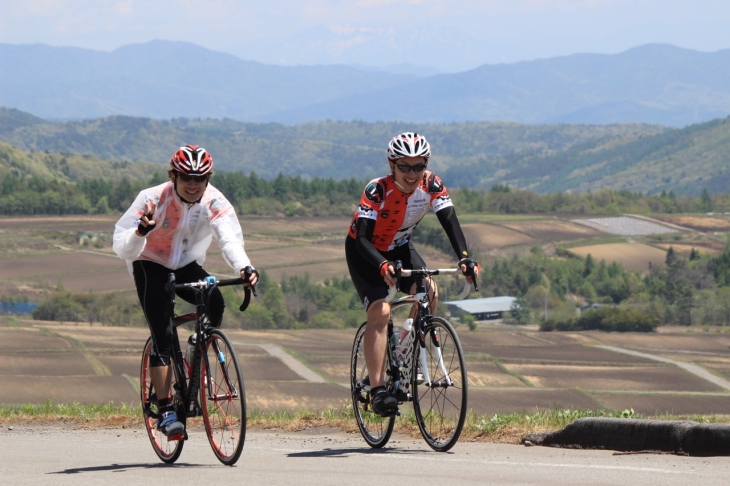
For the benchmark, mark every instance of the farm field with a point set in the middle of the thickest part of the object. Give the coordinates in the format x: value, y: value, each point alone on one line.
x: 510, y: 369
x: 632, y: 256
x: 39, y: 252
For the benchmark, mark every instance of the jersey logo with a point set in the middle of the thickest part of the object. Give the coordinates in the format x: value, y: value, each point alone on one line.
x: 374, y: 192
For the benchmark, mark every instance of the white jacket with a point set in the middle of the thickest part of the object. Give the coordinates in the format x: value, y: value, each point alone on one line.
x: 182, y: 233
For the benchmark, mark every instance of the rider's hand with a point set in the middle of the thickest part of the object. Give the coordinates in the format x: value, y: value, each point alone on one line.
x: 387, y: 271
x: 250, y: 276
x: 146, y: 223
x: 464, y: 263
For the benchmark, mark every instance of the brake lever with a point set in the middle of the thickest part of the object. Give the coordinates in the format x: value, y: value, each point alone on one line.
x: 473, y: 275
x: 398, y: 268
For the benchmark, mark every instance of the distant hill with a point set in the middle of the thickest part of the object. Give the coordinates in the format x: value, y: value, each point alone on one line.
x: 684, y: 161
x: 326, y: 149
x: 71, y: 168
x: 541, y: 158
x: 657, y: 84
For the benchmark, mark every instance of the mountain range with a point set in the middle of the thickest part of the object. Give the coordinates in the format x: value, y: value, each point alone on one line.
x: 542, y: 158
x: 657, y: 84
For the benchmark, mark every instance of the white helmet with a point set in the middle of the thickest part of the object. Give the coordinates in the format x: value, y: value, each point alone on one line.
x: 408, y: 144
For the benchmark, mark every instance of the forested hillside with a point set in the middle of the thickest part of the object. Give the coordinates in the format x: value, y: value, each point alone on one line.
x: 542, y: 158
x: 47, y: 183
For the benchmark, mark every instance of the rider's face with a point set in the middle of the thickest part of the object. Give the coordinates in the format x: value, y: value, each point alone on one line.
x: 410, y: 180
x: 190, y: 190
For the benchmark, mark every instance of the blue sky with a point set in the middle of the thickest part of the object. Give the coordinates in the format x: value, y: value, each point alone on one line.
x: 449, y: 35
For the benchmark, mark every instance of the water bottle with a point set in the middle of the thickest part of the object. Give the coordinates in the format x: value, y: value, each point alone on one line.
x: 405, y: 338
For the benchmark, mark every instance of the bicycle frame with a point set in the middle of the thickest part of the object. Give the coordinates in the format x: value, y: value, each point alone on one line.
x: 188, y: 390
x: 423, y: 313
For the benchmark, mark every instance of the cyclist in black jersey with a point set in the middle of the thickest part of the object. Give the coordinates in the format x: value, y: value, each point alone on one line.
x: 389, y: 210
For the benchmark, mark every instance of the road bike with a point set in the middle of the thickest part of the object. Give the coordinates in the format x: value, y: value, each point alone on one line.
x: 425, y: 367
x: 209, y: 383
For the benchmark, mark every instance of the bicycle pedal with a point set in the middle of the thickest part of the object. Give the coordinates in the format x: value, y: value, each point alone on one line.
x: 390, y: 413
x: 183, y: 436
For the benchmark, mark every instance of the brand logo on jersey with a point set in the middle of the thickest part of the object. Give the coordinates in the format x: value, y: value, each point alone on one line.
x: 374, y: 193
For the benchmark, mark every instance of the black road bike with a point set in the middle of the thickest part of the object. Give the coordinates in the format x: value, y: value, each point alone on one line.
x: 426, y: 368
x: 208, y: 384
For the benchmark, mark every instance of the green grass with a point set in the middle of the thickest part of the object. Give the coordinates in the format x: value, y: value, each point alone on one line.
x: 500, y: 427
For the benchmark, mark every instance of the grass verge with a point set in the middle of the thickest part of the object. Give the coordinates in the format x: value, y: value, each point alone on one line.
x: 504, y: 428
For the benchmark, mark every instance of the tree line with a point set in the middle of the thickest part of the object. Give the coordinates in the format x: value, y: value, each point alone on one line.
x: 297, y: 196
x: 689, y: 290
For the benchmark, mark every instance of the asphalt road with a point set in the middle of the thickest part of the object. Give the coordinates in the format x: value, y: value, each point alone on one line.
x: 59, y: 455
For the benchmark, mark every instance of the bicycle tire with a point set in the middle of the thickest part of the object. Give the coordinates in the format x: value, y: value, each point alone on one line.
x: 440, y: 410
x: 375, y: 429
x: 167, y: 450
x: 223, y: 398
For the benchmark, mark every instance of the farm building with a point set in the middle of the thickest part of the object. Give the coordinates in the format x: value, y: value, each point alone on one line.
x: 482, y: 309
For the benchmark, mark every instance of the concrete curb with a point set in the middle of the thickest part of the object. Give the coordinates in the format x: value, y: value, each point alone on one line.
x: 631, y: 435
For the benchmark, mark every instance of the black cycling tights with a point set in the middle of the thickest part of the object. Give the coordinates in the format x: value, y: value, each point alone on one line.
x: 150, y: 279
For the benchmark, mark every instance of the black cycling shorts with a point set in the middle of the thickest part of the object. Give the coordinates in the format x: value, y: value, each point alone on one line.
x: 368, y: 282
x: 150, y: 279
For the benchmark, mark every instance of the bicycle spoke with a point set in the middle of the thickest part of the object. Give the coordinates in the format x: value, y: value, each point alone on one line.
x: 223, y: 399
x: 376, y: 430
x: 167, y: 450
x: 440, y: 404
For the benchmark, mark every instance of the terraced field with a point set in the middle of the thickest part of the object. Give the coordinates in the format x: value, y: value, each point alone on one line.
x: 509, y: 369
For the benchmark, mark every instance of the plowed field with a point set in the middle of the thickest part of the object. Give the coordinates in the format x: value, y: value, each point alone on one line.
x: 68, y: 363
x: 632, y: 256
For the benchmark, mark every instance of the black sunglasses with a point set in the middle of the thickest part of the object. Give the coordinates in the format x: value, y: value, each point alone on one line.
x: 415, y: 168
x: 188, y: 178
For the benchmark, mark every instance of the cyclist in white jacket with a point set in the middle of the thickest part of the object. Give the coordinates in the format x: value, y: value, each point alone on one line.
x: 168, y: 229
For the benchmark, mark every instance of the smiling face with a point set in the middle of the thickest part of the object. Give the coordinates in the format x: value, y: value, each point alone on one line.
x: 408, y: 182
x: 189, y: 188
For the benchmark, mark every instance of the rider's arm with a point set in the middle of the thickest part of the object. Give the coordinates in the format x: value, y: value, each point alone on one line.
x: 365, y: 228
x: 227, y: 231
x: 128, y: 244
x: 450, y: 223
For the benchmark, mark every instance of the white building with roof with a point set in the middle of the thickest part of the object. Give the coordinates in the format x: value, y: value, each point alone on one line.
x: 482, y: 309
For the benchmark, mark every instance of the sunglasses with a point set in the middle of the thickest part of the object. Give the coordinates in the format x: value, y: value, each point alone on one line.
x: 188, y: 178
x: 415, y: 168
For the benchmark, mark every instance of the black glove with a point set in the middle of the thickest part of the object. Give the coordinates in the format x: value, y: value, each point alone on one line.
x: 142, y: 230
x: 470, y: 265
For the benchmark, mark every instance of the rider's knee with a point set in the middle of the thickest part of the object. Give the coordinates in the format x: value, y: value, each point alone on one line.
x: 378, y: 313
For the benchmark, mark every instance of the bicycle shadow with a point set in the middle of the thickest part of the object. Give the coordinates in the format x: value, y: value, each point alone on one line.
x: 343, y: 452
x: 125, y: 467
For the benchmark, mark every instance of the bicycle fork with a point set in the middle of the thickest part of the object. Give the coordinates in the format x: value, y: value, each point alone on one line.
x: 447, y: 381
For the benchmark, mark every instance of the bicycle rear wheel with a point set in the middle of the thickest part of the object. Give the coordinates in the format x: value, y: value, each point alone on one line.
x: 375, y: 429
x: 440, y: 385
x: 167, y: 450
x: 223, y: 398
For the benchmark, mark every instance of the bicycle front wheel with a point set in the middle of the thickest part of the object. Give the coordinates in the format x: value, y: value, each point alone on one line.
x: 223, y: 398
x: 439, y: 385
x: 375, y: 429
x: 167, y: 450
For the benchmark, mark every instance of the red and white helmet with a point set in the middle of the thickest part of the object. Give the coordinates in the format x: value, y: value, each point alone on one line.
x: 192, y: 160
x: 408, y: 144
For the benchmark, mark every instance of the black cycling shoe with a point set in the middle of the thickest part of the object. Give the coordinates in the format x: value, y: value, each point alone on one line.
x: 383, y: 402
